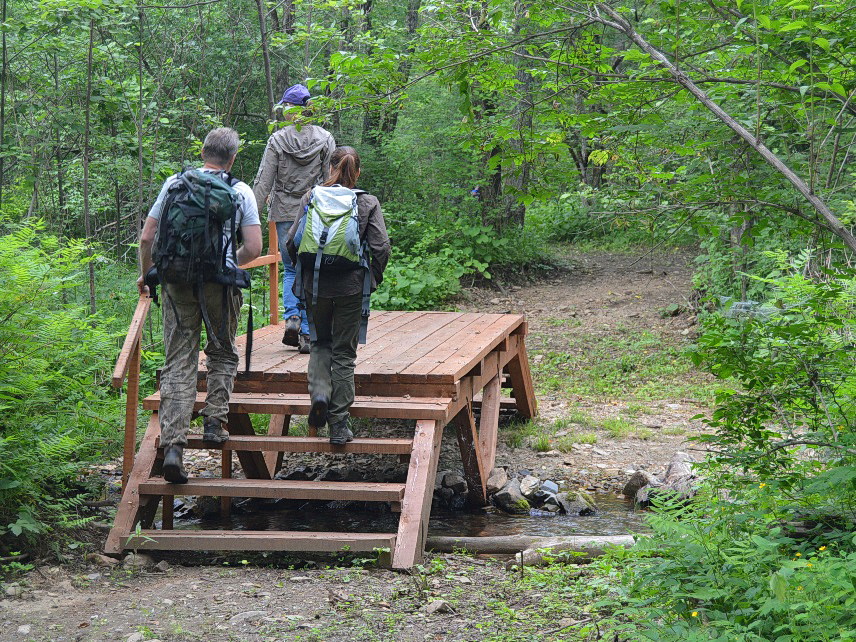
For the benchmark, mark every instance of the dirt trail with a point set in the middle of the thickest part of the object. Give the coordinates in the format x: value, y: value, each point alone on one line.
x: 86, y: 600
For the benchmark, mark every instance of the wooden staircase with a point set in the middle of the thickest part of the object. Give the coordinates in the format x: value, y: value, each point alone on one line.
x: 431, y: 368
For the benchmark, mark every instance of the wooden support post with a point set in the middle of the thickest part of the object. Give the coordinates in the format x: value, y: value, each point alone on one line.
x: 471, y: 456
x: 127, y: 513
x: 132, y: 404
x: 226, y: 473
x: 521, y: 382
x: 167, y: 512
x: 273, y: 274
x: 489, y: 423
x: 278, y: 427
x: 253, y: 462
x: 416, y: 505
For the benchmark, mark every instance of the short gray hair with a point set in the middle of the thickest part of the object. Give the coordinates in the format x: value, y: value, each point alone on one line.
x: 220, y: 145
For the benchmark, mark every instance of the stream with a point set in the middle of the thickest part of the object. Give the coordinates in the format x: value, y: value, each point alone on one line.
x: 614, y: 517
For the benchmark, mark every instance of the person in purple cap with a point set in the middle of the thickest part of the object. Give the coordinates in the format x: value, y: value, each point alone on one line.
x: 295, y: 161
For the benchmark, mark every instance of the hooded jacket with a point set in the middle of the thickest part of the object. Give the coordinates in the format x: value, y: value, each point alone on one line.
x: 294, y: 161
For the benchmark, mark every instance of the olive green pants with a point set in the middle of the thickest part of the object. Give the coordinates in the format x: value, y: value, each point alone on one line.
x: 334, y: 352
x: 182, y: 325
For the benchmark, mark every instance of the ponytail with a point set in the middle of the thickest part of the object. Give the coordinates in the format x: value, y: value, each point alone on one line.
x: 344, y: 167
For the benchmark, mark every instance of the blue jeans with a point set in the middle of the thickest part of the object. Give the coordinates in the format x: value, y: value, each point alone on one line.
x: 289, y: 301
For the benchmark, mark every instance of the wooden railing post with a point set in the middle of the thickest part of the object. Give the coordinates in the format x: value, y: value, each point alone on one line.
x: 132, y: 404
x: 273, y: 273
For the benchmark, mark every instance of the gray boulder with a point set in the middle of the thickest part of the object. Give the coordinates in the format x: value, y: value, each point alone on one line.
x: 497, y: 479
x: 577, y: 503
x: 529, y: 486
x: 457, y: 483
x: 511, y: 500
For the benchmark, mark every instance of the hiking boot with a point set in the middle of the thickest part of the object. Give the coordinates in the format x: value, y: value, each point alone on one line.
x: 173, y: 467
x: 318, y: 412
x: 213, y: 431
x: 340, y: 433
x: 304, y: 345
x: 292, y: 330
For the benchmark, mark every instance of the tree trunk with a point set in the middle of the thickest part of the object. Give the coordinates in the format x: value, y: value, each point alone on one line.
x: 412, y: 21
x: 265, y: 54
x: 2, y: 103
x: 140, y: 183
x: 86, y: 158
x: 517, y: 178
x: 620, y: 24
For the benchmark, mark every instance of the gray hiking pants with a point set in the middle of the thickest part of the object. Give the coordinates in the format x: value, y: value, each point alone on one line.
x: 331, y: 362
x: 182, y: 324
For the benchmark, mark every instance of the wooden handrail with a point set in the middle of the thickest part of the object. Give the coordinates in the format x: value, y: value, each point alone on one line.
x: 266, y: 259
x: 135, y: 332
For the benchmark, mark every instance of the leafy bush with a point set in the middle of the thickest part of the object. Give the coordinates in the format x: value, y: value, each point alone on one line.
x: 56, y: 408
x: 429, y: 258
x: 774, y: 556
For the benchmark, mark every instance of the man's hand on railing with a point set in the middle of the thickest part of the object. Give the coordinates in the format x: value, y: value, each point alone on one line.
x: 142, y: 287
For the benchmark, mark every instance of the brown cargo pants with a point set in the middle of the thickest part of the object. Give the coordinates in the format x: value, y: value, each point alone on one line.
x: 182, y: 324
x: 334, y: 353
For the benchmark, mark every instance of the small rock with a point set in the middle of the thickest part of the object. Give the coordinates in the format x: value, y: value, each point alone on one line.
x: 444, y: 495
x: 457, y: 483
x: 578, y: 503
x: 438, y: 606
x: 529, y: 485
x: 550, y: 487
x: 162, y: 566
x: 638, y: 480
x: 168, y: 602
x: 240, y: 618
x: 93, y: 576
x: 138, y: 561
x: 496, y: 301
x: 598, y: 451
x: 300, y: 578
x: 24, y: 629
x: 13, y: 590
x: 510, y: 500
x: 438, y: 480
x: 497, y: 479
x: 101, y: 560
x: 136, y: 637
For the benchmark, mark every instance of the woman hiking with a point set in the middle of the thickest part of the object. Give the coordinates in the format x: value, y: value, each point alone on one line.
x: 335, y: 310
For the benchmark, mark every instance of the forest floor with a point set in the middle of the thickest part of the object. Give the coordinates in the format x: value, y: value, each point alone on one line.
x: 616, y: 393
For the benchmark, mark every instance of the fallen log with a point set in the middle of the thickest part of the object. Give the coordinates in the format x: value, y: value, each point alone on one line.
x: 534, y: 549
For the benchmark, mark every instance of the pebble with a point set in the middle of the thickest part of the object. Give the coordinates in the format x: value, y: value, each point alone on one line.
x: 438, y: 606
x: 24, y: 629
x: 136, y: 637
x: 13, y: 590
x: 162, y: 566
x: 300, y: 578
x: 240, y: 618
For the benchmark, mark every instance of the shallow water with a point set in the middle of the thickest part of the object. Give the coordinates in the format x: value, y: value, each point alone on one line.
x: 614, y: 517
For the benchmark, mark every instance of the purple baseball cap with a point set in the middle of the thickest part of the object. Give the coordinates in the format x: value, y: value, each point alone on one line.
x: 295, y: 95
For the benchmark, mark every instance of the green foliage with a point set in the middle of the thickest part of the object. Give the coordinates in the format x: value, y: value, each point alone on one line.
x: 430, y: 257
x: 729, y: 569
x: 56, y: 406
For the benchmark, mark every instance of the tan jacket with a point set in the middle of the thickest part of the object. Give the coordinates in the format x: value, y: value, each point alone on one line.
x: 294, y: 161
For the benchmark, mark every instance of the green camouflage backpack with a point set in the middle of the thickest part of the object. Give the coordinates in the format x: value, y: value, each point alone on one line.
x: 328, y: 240
x: 190, y: 246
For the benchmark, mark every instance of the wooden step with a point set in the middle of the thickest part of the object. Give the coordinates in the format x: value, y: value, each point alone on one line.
x: 273, y: 403
x: 193, y: 540
x: 277, y: 489
x: 306, y: 445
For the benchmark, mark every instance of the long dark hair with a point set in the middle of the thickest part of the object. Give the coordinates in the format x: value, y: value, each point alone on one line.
x: 344, y: 167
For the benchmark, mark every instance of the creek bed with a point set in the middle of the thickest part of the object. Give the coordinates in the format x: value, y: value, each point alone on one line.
x: 615, y: 516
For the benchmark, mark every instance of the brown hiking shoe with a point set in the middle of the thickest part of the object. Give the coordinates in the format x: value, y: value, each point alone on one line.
x: 292, y: 331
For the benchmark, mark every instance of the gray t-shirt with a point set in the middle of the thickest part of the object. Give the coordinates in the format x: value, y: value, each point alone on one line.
x: 247, y: 212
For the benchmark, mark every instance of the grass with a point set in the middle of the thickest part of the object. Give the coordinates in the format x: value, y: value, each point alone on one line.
x: 628, y: 363
x: 618, y: 428
x: 565, y: 444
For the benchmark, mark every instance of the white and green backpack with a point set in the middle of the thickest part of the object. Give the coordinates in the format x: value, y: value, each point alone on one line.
x: 328, y: 240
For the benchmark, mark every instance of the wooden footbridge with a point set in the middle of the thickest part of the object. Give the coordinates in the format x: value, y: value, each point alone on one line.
x: 431, y: 367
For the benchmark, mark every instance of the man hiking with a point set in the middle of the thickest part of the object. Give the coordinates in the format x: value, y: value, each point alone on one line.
x: 193, y: 228
x: 296, y: 159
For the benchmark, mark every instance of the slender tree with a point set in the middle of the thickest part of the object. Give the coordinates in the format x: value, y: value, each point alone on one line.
x: 87, y: 152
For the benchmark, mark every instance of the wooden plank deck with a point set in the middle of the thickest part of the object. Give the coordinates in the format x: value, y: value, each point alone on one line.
x: 432, y: 367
